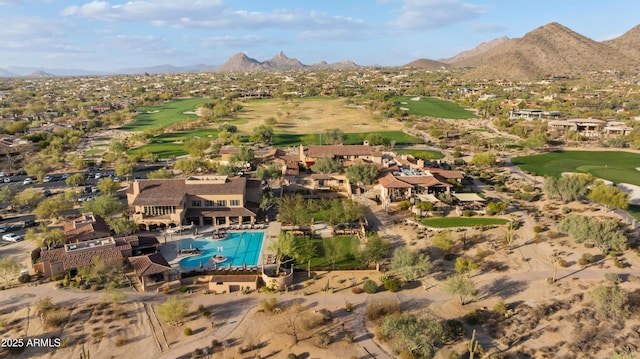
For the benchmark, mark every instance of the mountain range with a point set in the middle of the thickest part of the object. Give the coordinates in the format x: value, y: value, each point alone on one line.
x: 550, y: 50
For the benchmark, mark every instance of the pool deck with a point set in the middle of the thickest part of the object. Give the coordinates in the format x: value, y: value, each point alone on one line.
x: 169, y: 242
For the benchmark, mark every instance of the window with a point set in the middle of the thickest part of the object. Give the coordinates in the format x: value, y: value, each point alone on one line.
x: 235, y: 203
x: 221, y: 202
x: 196, y: 203
x: 208, y: 203
x: 159, y: 210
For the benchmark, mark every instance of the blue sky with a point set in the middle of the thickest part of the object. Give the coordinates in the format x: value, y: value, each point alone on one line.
x: 115, y: 34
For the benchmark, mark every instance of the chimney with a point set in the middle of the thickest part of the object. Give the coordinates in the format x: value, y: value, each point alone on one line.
x: 420, y: 163
x: 136, y: 187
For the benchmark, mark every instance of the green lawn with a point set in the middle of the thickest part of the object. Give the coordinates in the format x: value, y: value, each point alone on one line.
x: 421, y: 154
x: 285, y: 139
x: 615, y: 166
x: 164, y: 115
x: 462, y: 222
x: 341, y: 248
x: 433, y: 107
x: 169, y: 145
x: 634, y: 210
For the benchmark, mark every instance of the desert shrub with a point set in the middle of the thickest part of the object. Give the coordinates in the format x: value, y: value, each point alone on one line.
x: 613, y: 278
x: 392, y: 285
x: 380, y: 308
x: 588, y: 257
x: 184, y: 289
x: 188, y: 331
x: 566, y: 210
x: 323, y: 339
x: 349, y: 338
x: 55, y: 318
x: 95, y: 287
x: 501, y: 308
x: 215, y: 343
x: 270, y: 305
x: 292, y: 356
x: 24, y: 278
x: 481, y: 254
x: 563, y: 263
x: 44, y: 305
x: 206, y: 313
x: 356, y: 290
x: 348, y: 306
x: 83, y: 286
x: 404, y: 205
x: 453, y: 329
x: 618, y: 263
x: 405, y: 353
x: 370, y: 286
x: 474, y: 317
x: 537, y: 229
x: 121, y: 340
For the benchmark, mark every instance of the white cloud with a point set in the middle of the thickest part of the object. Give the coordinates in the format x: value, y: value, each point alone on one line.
x: 206, y: 14
x: 430, y: 14
x: 233, y: 41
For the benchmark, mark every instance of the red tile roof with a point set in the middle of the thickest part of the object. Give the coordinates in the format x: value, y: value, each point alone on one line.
x: 170, y: 192
x: 389, y: 181
x: 340, y: 150
x: 150, y: 264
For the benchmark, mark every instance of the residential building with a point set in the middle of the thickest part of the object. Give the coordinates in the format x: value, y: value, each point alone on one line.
x: 217, y: 200
x: 85, y: 228
x: 341, y: 153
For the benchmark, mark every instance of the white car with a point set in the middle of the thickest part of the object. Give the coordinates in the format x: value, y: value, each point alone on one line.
x: 47, y: 179
x: 7, y: 179
x: 64, y: 176
x: 98, y: 175
x: 12, y: 237
x: 27, y: 181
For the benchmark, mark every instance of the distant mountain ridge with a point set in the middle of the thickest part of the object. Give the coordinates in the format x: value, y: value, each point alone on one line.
x: 549, y: 50
x: 240, y: 62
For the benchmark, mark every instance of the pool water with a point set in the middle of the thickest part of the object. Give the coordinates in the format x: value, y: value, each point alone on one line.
x: 240, y: 248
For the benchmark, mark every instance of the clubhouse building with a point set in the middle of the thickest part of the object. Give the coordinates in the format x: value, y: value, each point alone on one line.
x: 213, y: 200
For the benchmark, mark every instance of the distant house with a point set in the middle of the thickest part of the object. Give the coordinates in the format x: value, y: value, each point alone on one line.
x: 86, y: 227
x: 218, y: 200
x: 533, y: 114
x: 310, y: 154
x: 587, y: 127
x: 399, y: 187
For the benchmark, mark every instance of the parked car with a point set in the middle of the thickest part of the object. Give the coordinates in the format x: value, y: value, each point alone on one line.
x: 47, y: 179
x: 12, y: 237
x: 7, y: 179
x: 21, y: 173
x: 3, y: 228
x: 29, y: 223
x: 27, y: 181
x: 98, y: 175
x: 65, y: 176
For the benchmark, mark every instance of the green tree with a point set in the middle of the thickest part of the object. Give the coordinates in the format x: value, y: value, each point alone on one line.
x: 465, y: 265
x: 52, y: 207
x: 460, y: 286
x: 9, y: 267
x: 375, y: 250
x: 104, y: 206
x: 410, y: 265
x: 187, y: 165
x: 611, y: 303
x: 108, y: 186
x: 196, y: 147
x: 326, y: 165
x: 604, y: 234
x: 333, y: 136
x: 609, y: 196
x: 174, y: 310
x: 421, y: 335
x: 121, y: 226
x: 28, y: 198
x: 304, y: 249
x: 7, y: 193
x: 76, y: 179
x: 270, y: 173
x: 364, y: 173
x: 117, y: 146
x: 36, y: 169
x: 444, y: 241
x: 484, y: 159
x: 124, y: 168
x: 567, y: 188
x: 261, y: 133
x: 162, y: 173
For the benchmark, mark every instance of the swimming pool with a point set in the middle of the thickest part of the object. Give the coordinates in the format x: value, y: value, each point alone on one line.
x: 240, y: 248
